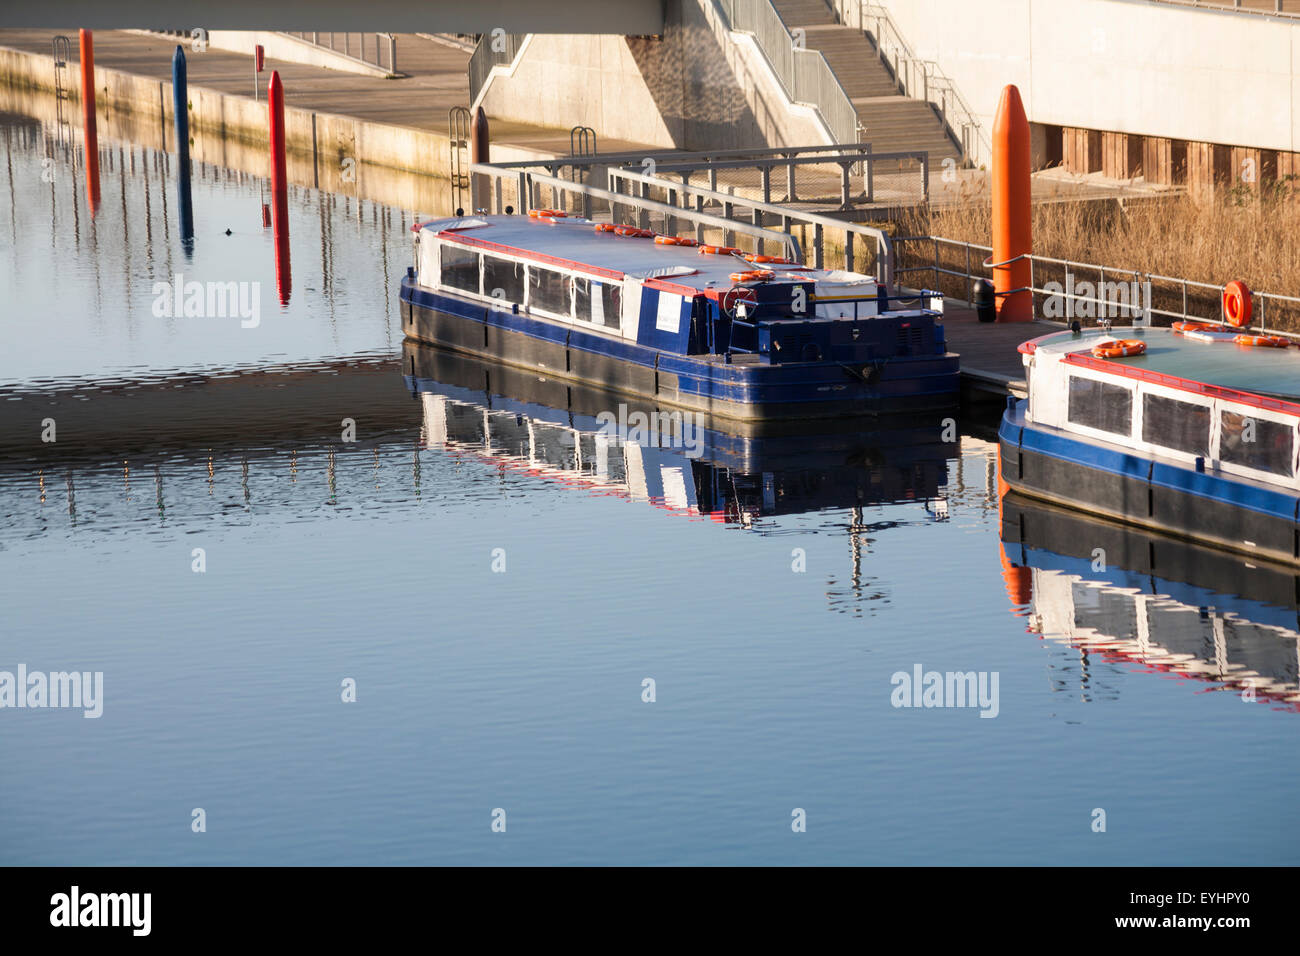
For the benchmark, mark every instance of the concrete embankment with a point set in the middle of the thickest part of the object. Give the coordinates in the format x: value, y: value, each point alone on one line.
x: 395, y: 165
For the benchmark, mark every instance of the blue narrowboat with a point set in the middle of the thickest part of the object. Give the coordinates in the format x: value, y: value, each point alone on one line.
x: 1192, y: 433
x: 692, y: 326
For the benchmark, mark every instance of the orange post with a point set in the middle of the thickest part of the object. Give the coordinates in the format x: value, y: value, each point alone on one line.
x: 88, y: 117
x: 1012, y: 220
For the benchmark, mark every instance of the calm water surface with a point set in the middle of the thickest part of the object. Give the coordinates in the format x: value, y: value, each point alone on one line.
x: 498, y: 587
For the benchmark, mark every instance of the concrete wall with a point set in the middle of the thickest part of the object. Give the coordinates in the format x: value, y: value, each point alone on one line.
x: 1120, y: 65
x: 219, y: 117
x: 699, y: 87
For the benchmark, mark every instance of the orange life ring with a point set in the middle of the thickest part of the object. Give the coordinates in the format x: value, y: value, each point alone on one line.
x: 776, y: 259
x: 720, y: 251
x: 675, y: 241
x: 547, y: 213
x: 1113, y: 348
x: 1196, y: 327
x: 633, y: 231
x: 1265, y: 341
x: 1236, y: 303
x: 605, y: 227
x: 754, y: 275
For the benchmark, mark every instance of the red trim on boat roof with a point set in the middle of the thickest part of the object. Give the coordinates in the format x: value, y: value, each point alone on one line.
x: 529, y: 254
x: 665, y: 286
x: 1185, y: 384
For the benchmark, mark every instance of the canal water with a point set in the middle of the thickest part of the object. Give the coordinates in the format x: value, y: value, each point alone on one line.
x: 617, y: 655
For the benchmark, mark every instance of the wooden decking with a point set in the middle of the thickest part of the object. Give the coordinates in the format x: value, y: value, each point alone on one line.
x: 991, y: 364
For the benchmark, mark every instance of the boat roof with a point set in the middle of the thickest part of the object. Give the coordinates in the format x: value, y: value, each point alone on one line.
x: 573, y: 242
x: 1221, y: 363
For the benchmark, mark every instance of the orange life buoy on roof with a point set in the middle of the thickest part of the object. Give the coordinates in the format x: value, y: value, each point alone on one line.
x: 675, y: 241
x: 776, y: 259
x: 1119, y: 348
x: 547, y: 213
x: 605, y: 227
x: 1263, y: 341
x: 754, y: 275
x: 633, y: 232
x: 720, y: 251
x: 1196, y: 327
x: 1236, y: 303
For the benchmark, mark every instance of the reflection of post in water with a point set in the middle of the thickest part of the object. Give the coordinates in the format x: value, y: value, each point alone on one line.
x: 88, y: 118
x: 158, y: 495
x: 415, y: 471
x: 181, y: 111
x: 329, y: 478
x: 279, y: 186
x: 72, y: 500
x: 244, y: 481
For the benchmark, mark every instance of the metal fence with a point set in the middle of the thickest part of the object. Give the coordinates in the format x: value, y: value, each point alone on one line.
x: 357, y: 46
x: 918, y: 78
x: 848, y: 176
x: 830, y: 242
x: 804, y: 74
x: 1067, y: 290
x: 500, y: 187
x: 1271, y: 8
x: 493, y: 49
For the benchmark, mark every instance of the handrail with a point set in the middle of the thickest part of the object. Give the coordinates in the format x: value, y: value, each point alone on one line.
x: 804, y: 74
x: 528, y: 180
x: 314, y: 38
x: 1264, y: 299
x: 1234, y: 7
x: 885, y: 270
x: 637, y: 158
x: 494, y: 49
x: 920, y: 79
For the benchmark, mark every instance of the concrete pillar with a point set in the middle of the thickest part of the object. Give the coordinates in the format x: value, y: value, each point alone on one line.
x: 1121, y: 155
x: 1082, y: 148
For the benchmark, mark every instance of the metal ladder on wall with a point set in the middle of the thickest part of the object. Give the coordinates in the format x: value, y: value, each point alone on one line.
x: 458, y: 132
x: 62, y: 54
x: 582, y: 142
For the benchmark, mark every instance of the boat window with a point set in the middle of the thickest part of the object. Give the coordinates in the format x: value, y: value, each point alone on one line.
x: 1256, y: 443
x: 1182, y: 426
x: 459, y: 268
x: 1103, y: 405
x: 548, y: 291
x: 611, y: 296
x: 503, y: 279
x: 582, y: 299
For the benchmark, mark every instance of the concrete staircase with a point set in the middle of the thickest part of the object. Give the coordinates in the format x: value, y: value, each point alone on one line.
x: 890, y: 120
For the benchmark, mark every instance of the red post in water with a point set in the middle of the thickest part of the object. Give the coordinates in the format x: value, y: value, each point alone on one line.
x: 279, y: 184
x: 479, y: 152
x: 1012, y: 215
x: 88, y: 117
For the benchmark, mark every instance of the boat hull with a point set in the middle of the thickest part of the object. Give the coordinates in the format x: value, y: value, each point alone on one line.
x: 741, y: 390
x: 1114, y: 482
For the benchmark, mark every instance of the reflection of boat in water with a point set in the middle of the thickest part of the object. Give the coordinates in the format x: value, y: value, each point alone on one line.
x: 1172, y: 606
x: 584, y: 438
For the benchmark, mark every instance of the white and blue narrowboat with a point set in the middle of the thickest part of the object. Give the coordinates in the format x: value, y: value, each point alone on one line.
x: 692, y: 326
x: 1192, y: 433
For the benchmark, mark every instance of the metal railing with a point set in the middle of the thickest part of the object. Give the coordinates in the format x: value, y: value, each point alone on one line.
x: 813, y: 174
x: 833, y: 175
x: 817, y: 230
x: 1268, y: 8
x: 356, y: 46
x: 955, y: 266
x: 523, y: 189
x: 804, y: 74
x: 918, y: 78
x: 493, y: 50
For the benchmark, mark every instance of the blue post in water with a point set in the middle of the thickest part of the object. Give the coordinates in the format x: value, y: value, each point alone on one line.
x: 181, y: 109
